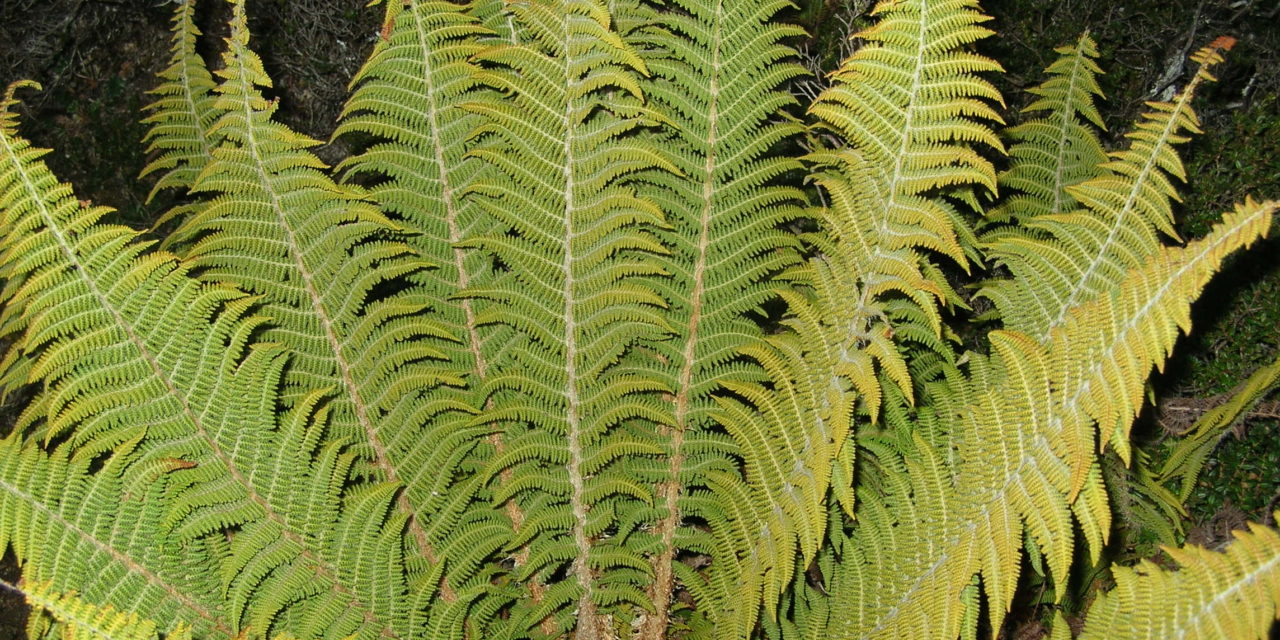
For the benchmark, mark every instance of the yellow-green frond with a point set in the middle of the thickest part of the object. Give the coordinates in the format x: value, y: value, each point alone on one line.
x: 579, y: 252
x: 718, y: 77
x: 1107, y: 348
x: 318, y: 253
x: 1233, y: 593
x: 153, y: 376
x: 913, y: 114
x: 1182, y: 466
x: 911, y: 101
x: 1025, y: 448
x: 81, y: 620
x: 1064, y: 260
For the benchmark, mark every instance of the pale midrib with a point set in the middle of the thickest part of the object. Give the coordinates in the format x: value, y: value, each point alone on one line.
x: 1059, y: 180
x: 449, y: 200
x: 908, y: 117
x: 1064, y: 136
x: 51, y: 223
x: 455, y: 236
x: 1210, y: 606
x: 188, y: 93
x: 123, y: 559
x: 671, y: 490
x: 882, y: 221
x: 1096, y: 369
x: 1119, y: 223
x: 1040, y: 442
x: 326, y: 323
x: 587, y: 623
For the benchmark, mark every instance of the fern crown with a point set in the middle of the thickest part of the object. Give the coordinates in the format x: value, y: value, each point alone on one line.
x: 603, y: 332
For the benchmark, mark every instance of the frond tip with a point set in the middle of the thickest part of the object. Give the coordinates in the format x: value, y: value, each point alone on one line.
x: 182, y: 115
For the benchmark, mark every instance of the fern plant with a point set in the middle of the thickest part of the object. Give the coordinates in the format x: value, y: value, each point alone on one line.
x: 602, y: 334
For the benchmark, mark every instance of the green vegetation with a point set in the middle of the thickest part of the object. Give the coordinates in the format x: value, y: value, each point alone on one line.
x: 609, y: 322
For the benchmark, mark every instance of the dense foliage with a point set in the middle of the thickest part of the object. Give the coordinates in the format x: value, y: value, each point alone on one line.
x: 604, y: 333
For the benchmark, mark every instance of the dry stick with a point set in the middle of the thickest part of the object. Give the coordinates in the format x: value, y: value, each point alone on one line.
x: 1183, y: 412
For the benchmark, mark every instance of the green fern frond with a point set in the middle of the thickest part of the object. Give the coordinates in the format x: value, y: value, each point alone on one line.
x: 144, y: 366
x: 718, y: 72
x: 911, y: 108
x: 406, y: 96
x: 276, y: 225
x: 49, y: 499
x: 911, y: 105
x: 1060, y: 148
x: 1025, y: 449
x: 1229, y: 594
x: 180, y: 134
x: 579, y: 251
x: 14, y: 369
x: 1182, y: 466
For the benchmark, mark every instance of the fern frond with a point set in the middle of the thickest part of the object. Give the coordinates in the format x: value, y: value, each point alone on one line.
x: 578, y: 291
x: 153, y: 371
x: 82, y: 620
x: 909, y: 128
x: 406, y: 96
x: 911, y: 109
x: 1229, y: 594
x: 317, y: 252
x: 911, y: 105
x: 718, y: 75
x: 910, y: 131
x: 1067, y: 259
x: 180, y: 134
x: 1134, y: 328
x: 1059, y: 149
x: 1025, y: 449
x: 1181, y: 468
x: 14, y: 369
x: 111, y: 534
